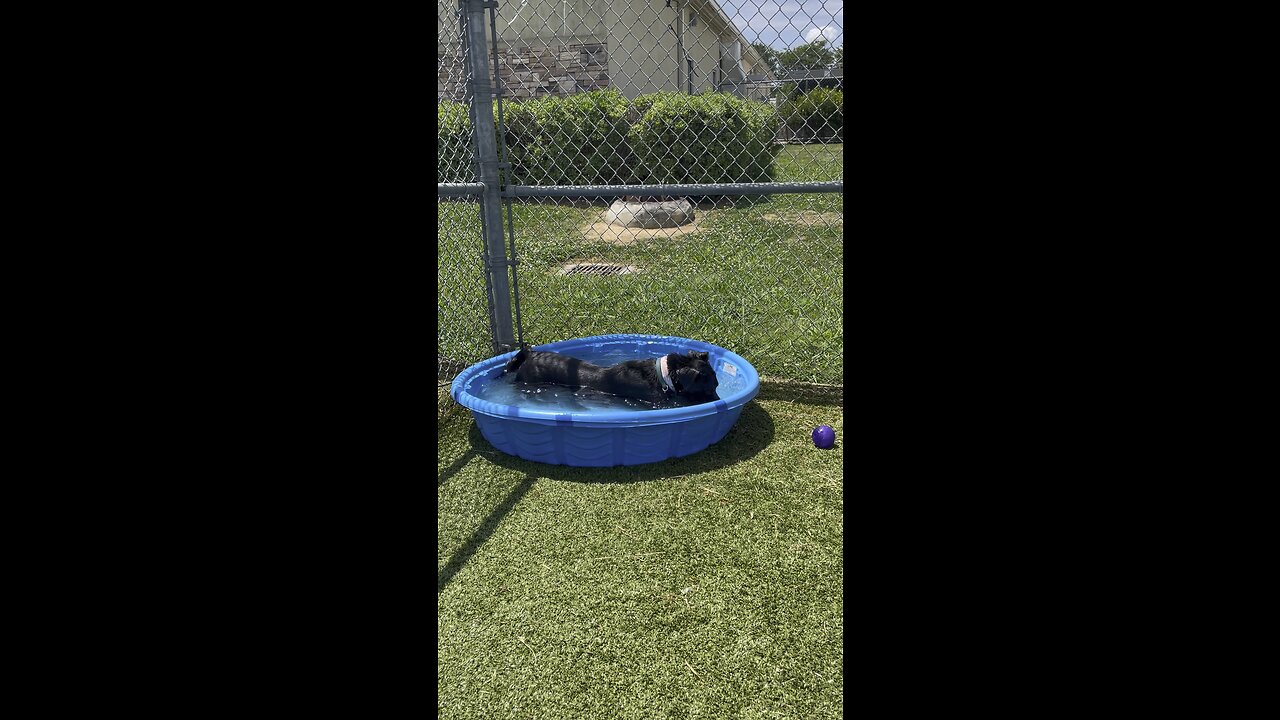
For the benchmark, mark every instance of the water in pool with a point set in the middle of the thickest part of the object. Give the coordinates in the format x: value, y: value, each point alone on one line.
x: 506, y: 391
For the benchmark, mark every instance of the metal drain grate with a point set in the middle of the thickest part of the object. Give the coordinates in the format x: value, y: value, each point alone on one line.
x: 600, y: 269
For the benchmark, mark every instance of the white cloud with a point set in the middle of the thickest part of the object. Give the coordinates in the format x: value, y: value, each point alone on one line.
x: 830, y: 32
x: 779, y: 23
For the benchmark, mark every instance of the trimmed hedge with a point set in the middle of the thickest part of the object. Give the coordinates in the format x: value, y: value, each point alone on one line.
x: 453, y: 154
x: 818, y: 113
x: 575, y: 140
x: 600, y: 137
x: 710, y: 138
x: 641, y: 104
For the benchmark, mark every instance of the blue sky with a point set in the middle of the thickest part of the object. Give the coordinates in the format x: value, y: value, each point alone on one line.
x: 784, y: 25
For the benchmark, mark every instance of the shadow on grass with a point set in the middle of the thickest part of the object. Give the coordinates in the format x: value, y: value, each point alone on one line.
x: 831, y: 395
x: 482, y: 533
x: 450, y: 445
x: 752, y: 433
x: 457, y: 464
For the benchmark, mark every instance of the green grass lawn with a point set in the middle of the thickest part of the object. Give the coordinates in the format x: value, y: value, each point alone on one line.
x: 708, y: 586
x: 701, y: 587
x: 763, y: 278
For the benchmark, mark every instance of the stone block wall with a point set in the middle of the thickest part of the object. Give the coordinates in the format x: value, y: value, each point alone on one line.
x: 534, y: 70
x: 451, y: 81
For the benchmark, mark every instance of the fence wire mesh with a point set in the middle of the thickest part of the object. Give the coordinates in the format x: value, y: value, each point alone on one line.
x: 660, y: 92
x: 763, y: 279
x: 463, y: 329
x: 453, y: 80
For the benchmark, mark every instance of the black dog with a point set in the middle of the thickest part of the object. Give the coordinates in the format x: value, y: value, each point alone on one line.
x: 688, y: 378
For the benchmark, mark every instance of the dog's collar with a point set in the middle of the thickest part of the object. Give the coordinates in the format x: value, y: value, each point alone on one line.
x: 662, y: 373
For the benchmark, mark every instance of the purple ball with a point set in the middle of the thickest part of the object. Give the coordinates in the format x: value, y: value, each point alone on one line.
x: 824, y: 437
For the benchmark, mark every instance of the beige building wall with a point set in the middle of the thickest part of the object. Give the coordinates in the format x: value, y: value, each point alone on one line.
x: 570, y: 21
x: 535, y: 20
x: 642, y: 51
x: 566, y: 46
x: 702, y: 42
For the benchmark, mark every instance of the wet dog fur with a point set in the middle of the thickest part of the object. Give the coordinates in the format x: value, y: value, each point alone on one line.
x: 691, y: 375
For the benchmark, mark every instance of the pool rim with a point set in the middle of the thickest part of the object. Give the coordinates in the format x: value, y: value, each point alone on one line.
x: 612, y: 418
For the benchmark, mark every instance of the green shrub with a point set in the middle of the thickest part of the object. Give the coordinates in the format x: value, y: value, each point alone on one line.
x: 598, y: 137
x: 817, y: 114
x: 453, y: 154
x: 641, y: 104
x: 710, y: 138
x: 575, y: 140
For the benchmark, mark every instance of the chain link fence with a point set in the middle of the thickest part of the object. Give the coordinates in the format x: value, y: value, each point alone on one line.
x: 661, y: 166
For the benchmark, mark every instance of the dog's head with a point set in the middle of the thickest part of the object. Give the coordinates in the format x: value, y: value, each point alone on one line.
x: 693, y: 377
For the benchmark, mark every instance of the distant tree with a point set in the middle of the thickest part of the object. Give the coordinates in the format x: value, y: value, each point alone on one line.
x: 810, y: 56
x: 769, y: 55
x: 840, y: 56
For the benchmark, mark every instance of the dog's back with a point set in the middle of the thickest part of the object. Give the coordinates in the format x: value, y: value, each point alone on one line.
x: 535, y: 366
x: 692, y: 377
x: 632, y: 378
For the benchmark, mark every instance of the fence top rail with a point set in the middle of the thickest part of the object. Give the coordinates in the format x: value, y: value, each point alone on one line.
x: 459, y: 188
x: 659, y: 190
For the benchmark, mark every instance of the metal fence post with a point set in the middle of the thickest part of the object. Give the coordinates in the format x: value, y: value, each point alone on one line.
x: 495, y: 256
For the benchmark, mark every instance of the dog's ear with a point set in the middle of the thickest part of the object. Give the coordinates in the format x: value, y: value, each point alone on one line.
x: 697, y: 355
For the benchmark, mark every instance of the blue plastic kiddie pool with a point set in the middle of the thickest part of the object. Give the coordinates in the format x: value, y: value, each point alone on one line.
x: 602, y: 438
